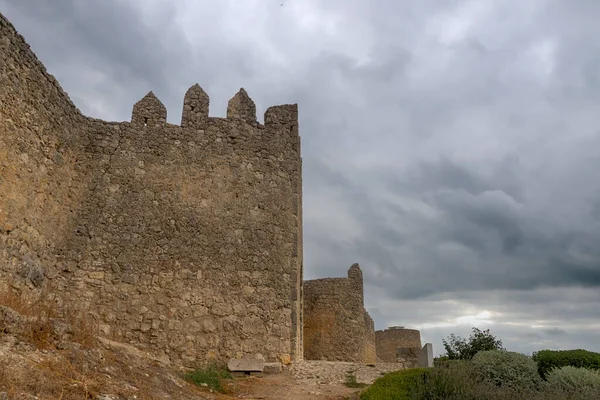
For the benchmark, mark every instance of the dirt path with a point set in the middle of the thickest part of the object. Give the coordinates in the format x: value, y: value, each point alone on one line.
x: 285, y: 387
x: 310, y: 380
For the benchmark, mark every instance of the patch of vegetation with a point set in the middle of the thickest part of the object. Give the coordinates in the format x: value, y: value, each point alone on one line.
x: 480, y: 369
x: 574, y: 380
x: 211, y: 377
x: 351, y: 382
x: 547, y: 360
x: 393, y: 386
x: 458, y: 348
x: 506, y: 368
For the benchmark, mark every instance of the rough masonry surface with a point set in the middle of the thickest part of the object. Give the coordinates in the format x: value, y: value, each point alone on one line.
x: 397, y: 344
x: 183, y: 240
x: 336, y: 325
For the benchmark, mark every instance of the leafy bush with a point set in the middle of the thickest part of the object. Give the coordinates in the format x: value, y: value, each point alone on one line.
x: 506, y: 368
x: 547, y: 360
x: 460, y: 380
x: 392, y: 386
x: 452, y: 381
x: 573, y: 380
x: 458, y: 348
x: 210, y: 377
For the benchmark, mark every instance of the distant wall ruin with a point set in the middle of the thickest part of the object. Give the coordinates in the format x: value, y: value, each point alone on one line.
x: 336, y: 325
x: 397, y: 344
x: 183, y: 240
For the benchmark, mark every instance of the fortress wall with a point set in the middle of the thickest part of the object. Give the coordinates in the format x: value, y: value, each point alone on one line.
x: 369, y: 349
x: 336, y: 325
x: 390, y: 340
x: 41, y: 182
x: 193, y: 235
x: 183, y: 240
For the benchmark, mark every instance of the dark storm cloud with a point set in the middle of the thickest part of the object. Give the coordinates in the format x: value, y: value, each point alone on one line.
x: 109, y: 54
x: 499, y: 247
x: 83, y: 40
x: 449, y: 147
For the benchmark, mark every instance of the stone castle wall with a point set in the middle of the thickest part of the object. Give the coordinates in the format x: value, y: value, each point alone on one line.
x: 390, y: 340
x: 336, y: 325
x: 183, y: 240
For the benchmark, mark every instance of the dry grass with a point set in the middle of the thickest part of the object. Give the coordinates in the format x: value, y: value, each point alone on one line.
x: 53, y: 377
x: 43, y: 325
x: 51, y: 373
x: 56, y: 355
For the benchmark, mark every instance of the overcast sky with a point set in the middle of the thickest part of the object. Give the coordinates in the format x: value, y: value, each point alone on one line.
x: 450, y: 147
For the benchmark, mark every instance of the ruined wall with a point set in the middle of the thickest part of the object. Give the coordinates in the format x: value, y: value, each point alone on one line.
x: 41, y: 182
x: 183, y: 240
x: 390, y: 340
x: 369, y: 348
x: 336, y: 325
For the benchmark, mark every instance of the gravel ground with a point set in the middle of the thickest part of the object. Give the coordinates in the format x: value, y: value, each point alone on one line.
x: 330, y: 372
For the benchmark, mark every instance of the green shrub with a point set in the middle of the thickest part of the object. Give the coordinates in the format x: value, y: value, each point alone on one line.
x: 392, y: 386
x: 458, y: 348
x: 573, y: 379
x: 547, y: 360
x: 459, y: 380
x: 506, y: 368
x: 453, y: 381
x: 210, y: 377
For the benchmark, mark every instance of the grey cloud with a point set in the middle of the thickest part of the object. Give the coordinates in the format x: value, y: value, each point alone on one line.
x: 451, y: 166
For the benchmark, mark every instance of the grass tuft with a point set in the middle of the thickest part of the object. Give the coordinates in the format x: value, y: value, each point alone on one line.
x: 351, y: 382
x: 211, y: 377
x: 393, y: 386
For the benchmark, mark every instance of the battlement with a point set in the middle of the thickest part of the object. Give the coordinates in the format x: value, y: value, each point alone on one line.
x: 184, y: 240
x: 151, y: 112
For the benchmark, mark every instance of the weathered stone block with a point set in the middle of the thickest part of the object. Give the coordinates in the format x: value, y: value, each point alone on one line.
x: 426, y: 356
x: 245, y: 365
x: 273, y: 368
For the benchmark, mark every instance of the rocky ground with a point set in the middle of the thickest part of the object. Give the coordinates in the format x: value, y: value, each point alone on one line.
x: 331, y: 373
x: 52, y: 359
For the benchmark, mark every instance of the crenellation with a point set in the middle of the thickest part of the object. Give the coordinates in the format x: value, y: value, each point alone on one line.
x: 149, y: 112
x: 282, y: 116
x: 195, y: 108
x: 241, y: 107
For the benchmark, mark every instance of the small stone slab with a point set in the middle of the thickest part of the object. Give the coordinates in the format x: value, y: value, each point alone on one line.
x: 245, y: 365
x: 273, y: 368
x: 426, y: 356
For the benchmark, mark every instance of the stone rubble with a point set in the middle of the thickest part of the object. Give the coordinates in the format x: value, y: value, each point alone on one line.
x: 335, y: 372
